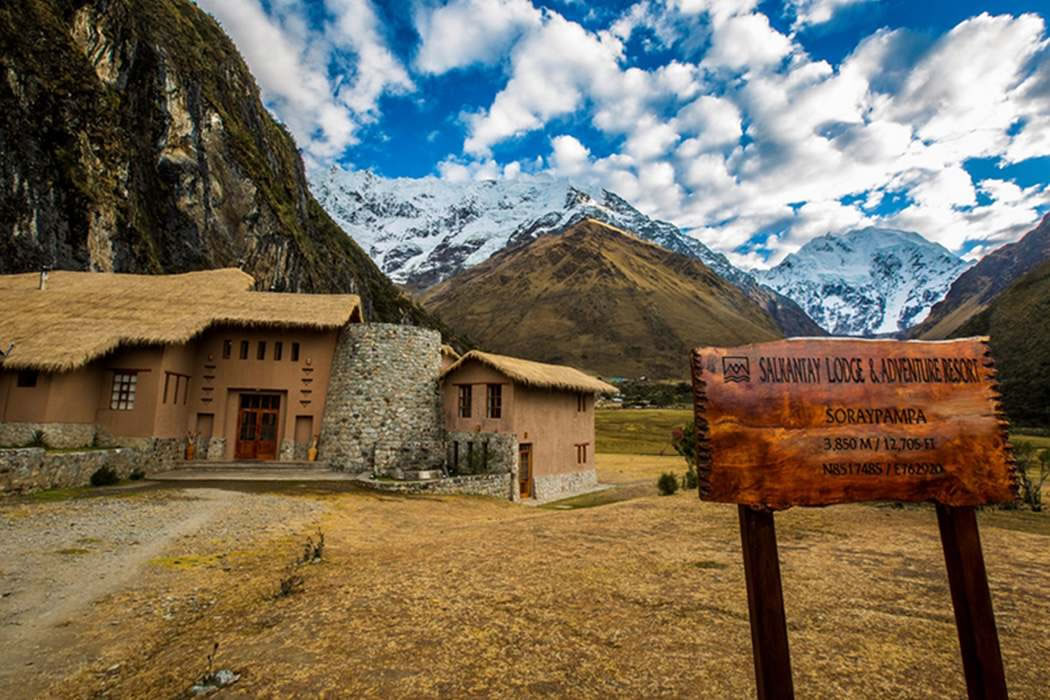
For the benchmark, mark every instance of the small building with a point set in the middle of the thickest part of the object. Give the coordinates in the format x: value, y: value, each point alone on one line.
x: 549, y: 409
x: 148, y: 360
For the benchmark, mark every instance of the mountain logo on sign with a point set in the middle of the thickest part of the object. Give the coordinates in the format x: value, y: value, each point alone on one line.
x: 736, y: 369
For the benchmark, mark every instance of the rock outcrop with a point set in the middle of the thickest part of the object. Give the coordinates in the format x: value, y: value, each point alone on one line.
x: 133, y: 139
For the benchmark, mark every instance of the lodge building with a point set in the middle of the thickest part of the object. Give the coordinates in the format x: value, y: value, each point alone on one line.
x: 161, y: 362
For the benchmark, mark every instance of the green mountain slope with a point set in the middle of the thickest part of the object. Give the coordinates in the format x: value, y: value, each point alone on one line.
x: 598, y: 298
x: 133, y: 139
x: 979, y: 285
x: 1018, y: 321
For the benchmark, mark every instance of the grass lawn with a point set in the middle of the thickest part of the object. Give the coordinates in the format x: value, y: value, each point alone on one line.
x: 645, y: 431
x: 1041, y: 442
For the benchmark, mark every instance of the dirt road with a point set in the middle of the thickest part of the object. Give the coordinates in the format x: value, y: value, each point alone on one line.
x: 58, y: 559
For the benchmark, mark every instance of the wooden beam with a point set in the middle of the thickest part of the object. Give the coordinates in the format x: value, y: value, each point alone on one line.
x: 974, y: 618
x: 765, y: 600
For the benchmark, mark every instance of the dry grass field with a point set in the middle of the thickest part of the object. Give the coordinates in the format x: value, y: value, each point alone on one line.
x: 626, y: 594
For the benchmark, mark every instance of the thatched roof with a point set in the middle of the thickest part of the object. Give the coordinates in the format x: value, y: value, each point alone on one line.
x: 450, y: 351
x: 83, y: 315
x: 536, y: 374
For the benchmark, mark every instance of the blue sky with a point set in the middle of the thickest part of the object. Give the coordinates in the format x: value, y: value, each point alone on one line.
x: 755, y: 126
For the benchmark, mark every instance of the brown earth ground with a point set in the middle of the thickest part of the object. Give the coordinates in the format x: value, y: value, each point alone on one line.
x: 457, y: 596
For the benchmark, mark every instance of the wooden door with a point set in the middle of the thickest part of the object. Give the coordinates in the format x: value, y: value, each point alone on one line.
x: 257, y: 426
x: 525, y: 470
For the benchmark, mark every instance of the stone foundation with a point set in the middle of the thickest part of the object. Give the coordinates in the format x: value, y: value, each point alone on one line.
x: 383, y: 410
x: 551, y: 487
x: 494, y: 485
x: 56, y: 435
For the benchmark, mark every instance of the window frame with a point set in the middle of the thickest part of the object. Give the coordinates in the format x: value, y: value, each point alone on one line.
x: 494, y: 401
x: 123, y: 390
x: 294, y: 355
x: 465, y: 403
x: 581, y: 402
x: 227, y: 349
x: 27, y: 379
x: 278, y: 350
x: 245, y: 349
x: 260, y: 350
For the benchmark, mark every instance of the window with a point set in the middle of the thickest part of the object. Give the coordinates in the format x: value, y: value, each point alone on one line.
x: 227, y: 349
x: 581, y: 402
x: 581, y: 453
x: 260, y: 351
x: 295, y: 352
x: 495, y: 400
x: 244, y: 349
x: 27, y: 379
x: 123, y: 396
x: 278, y: 350
x: 464, y: 400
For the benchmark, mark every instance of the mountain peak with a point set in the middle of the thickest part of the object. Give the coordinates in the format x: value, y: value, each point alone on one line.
x: 867, y: 281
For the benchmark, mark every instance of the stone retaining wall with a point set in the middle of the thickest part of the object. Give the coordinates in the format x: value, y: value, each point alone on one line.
x: 33, y: 468
x: 29, y: 469
x: 383, y: 410
x: 494, y: 485
x: 56, y: 435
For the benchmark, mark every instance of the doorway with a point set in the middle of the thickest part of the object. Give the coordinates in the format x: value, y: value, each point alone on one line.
x: 257, y: 427
x: 525, y: 470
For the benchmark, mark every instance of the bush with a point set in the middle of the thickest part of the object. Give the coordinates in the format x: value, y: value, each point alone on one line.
x: 137, y: 474
x: 690, y: 478
x: 667, y: 483
x: 1031, y: 486
x: 104, y: 476
x: 37, y: 440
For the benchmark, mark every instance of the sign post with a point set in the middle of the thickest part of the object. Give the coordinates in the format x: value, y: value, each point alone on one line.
x: 816, y: 422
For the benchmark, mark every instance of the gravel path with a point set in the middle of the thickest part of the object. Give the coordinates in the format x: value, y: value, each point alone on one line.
x: 58, y: 558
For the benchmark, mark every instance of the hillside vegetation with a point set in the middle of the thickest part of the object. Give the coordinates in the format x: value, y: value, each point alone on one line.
x: 975, y: 289
x: 600, y: 299
x: 133, y: 139
x: 1018, y: 321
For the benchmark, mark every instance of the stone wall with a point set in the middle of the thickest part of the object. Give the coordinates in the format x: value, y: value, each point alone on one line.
x: 494, y: 485
x: 56, y: 435
x: 551, y: 487
x: 383, y: 410
x: 493, y: 453
x: 34, y: 468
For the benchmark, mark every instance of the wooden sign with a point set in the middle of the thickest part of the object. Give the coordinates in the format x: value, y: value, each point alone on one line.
x: 815, y: 421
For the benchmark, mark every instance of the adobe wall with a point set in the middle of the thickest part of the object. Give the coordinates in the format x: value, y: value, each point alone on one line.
x: 383, y: 411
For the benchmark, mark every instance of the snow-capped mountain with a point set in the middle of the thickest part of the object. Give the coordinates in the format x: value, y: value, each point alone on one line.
x: 869, y: 281
x: 421, y: 231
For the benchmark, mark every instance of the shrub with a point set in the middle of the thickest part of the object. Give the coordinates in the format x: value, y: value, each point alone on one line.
x: 667, y: 483
x: 1030, y: 487
x: 104, y: 476
x: 683, y: 440
x: 137, y: 474
x: 37, y: 440
x: 690, y: 478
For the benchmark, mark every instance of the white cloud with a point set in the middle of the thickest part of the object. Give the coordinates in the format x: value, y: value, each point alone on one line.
x: 464, y: 32
x: 746, y: 42
x: 714, y: 121
x: 812, y: 12
x: 290, y: 60
x: 569, y: 157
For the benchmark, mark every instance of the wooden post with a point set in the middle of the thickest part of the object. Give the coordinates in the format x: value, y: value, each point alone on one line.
x: 765, y: 600
x: 974, y: 619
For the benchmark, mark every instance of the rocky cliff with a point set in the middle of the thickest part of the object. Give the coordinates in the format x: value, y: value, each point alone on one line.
x: 133, y: 139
